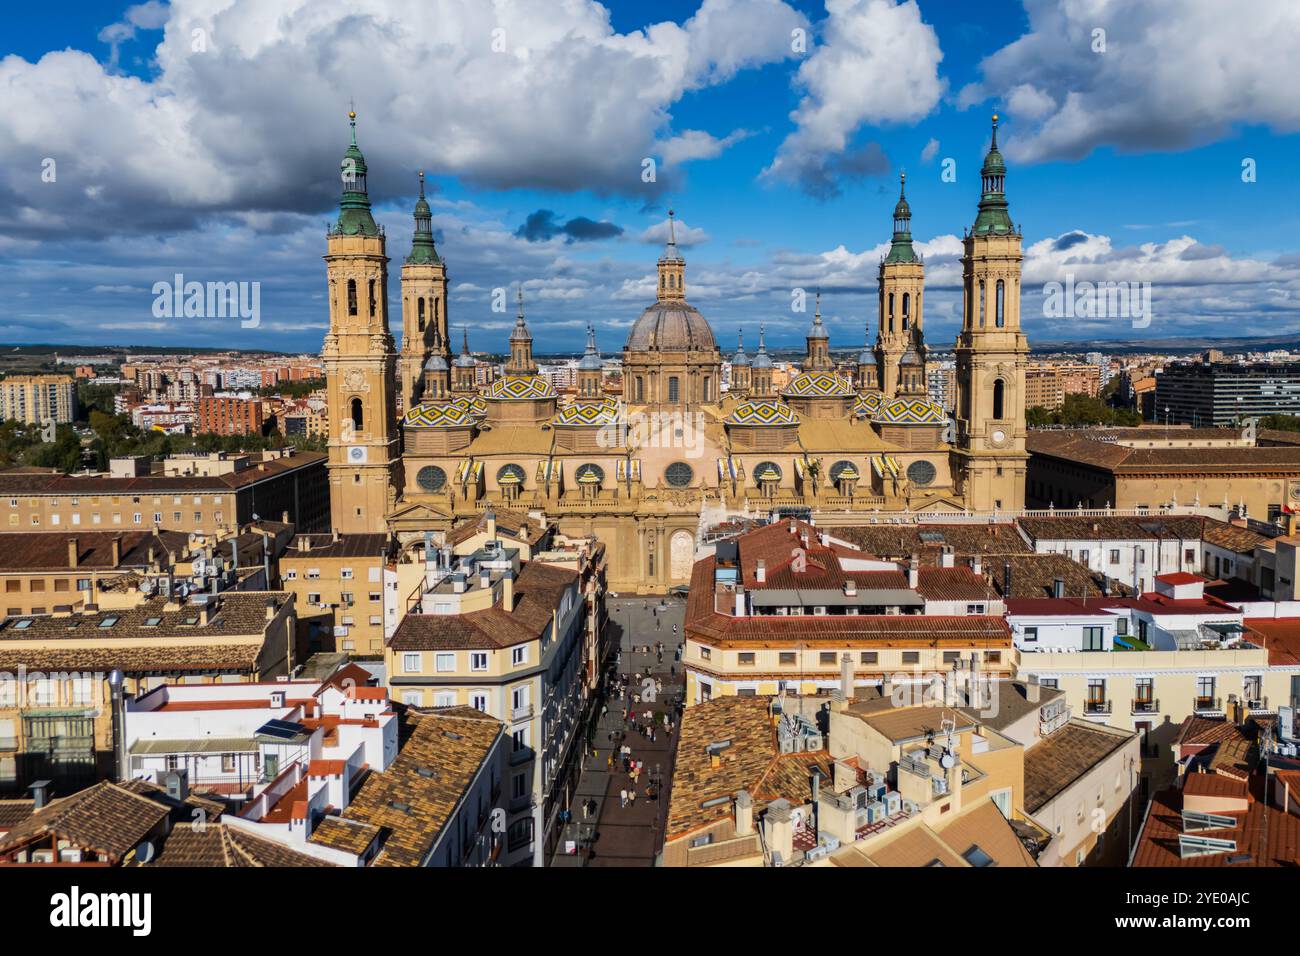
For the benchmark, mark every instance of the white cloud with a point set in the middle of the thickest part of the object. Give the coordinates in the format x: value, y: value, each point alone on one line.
x: 1173, y: 74
x: 694, y: 144
x: 877, y: 63
x: 930, y: 151
x: 685, y: 235
x: 255, y: 120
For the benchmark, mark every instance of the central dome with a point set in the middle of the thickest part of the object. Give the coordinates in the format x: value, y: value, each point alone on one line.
x: 671, y: 327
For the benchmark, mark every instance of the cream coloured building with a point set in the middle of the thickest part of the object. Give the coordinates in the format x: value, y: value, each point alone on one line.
x: 37, y: 399
x: 647, y: 472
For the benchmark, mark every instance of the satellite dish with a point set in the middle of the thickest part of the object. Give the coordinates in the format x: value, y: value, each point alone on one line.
x: 947, y: 760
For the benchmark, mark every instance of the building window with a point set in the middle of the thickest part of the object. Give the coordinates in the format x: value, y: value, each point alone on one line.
x: 1114, y: 555
x: 869, y: 657
x: 911, y: 657
x: 357, y: 419
x: 519, y: 655
x: 674, y: 388
x: 410, y: 663
x: 352, y: 297
x: 826, y: 658
x: 1029, y: 634
x: 787, y: 658
x: 1094, y: 638
x: 478, y: 661
x: 999, y: 398
x: 999, y: 316
x: 706, y: 654
x: 745, y: 658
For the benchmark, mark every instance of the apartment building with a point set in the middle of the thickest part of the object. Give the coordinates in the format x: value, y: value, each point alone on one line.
x: 870, y: 781
x: 1146, y: 663
x: 227, y: 415
x: 193, y: 493
x: 777, y: 608
x: 507, y: 638
x: 338, y: 581
x: 55, y: 670
x: 1130, y: 550
x: 37, y: 399
x: 1047, y: 384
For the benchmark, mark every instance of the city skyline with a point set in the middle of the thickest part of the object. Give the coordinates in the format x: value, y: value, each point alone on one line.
x: 782, y: 166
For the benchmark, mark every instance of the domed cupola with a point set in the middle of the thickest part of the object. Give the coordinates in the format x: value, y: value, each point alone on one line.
x: 355, y: 218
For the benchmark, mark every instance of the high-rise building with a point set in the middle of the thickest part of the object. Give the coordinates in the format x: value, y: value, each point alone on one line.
x: 36, y: 399
x: 1223, y: 393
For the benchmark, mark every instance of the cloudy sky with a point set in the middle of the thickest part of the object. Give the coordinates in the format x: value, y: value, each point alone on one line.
x: 1148, y: 140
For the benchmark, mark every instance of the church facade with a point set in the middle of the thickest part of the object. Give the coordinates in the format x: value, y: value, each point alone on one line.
x: 417, y: 446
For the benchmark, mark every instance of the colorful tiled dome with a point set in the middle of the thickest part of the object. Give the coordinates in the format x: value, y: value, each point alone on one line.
x: 762, y: 413
x: 818, y: 385
x: 472, y: 404
x: 867, y: 405
x: 518, y: 388
x: 911, y: 411
x: 587, y: 414
x: 437, y: 415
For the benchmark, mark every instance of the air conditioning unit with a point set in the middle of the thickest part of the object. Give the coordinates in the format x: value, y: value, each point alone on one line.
x: 875, y: 812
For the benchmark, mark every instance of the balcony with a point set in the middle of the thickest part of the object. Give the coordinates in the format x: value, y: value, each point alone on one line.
x: 1098, y: 708
x: 521, y: 756
x: 522, y: 713
x: 8, y: 744
x: 1208, y: 705
x: 1146, y: 705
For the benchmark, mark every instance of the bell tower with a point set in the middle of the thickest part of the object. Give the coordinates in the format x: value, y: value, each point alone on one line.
x: 818, y: 343
x: 591, y: 370
x: 360, y: 361
x: 424, y: 305
x: 902, y: 286
x: 991, y: 352
x: 521, y: 345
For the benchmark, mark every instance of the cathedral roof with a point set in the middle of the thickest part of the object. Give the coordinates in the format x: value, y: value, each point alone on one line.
x: 436, y: 363
x: 910, y: 411
x: 587, y: 414
x: 762, y: 413
x: 437, y: 415
x: 472, y: 404
x: 817, y: 385
x: 867, y: 405
x: 671, y: 326
x: 517, y: 388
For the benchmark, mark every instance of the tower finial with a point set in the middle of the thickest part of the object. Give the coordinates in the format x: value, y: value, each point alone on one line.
x: 995, y: 131
x: 817, y: 312
x: 902, y: 183
x: 352, y: 120
x: 520, y: 297
x: 672, y: 232
x: 422, y: 184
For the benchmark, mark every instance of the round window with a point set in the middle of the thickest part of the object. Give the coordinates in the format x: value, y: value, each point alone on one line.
x: 510, y: 475
x: 679, y: 474
x: 589, y: 474
x: 767, y: 471
x: 921, y: 472
x: 431, y: 478
x: 842, y: 466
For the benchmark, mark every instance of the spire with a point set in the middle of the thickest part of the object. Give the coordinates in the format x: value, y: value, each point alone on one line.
x: 464, y: 358
x: 670, y: 250
x: 521, y: 344
x: 591, y: 360
x: 672, y: 268
x: 900, y: 250
x: 354, y: 206
x: 761, y: 358
x: 993, y: 218
x: 740, y: 358
x: 818, y: 331
x: 520, y: 331
x: 423, y: 251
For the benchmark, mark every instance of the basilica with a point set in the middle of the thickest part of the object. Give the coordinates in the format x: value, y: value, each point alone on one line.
x: 417, y: 443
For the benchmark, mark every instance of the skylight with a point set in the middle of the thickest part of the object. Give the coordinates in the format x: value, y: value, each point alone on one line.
x: 109, y: 621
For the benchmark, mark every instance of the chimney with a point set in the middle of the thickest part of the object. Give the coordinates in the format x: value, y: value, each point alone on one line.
x: 271, y: 608
x: 947, y: 558
x: 1006, y: 579
x: 335, y: 534
x: 1032, y: 690
x: 177, y: 783
x: 846, y: 675
x: 303, y: 543
x: 117, y: 704
x: 824, y: 539
x: 794, y: 527
x: 744, y: 807
x: 913, y: 572
x: 977, y: 565
x: 760, y: 572
x: 491, y: 517
x: 1058, y: 587
x: 779, y: 830
x: 284, y: 517
x: 508, y: 591
x: 117, y: 550
x: 74, y: 552
x: 41, y: 790
x: 740, y: 602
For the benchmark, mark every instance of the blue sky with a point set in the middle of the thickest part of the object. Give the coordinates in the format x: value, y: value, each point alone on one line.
x: 207, y: 144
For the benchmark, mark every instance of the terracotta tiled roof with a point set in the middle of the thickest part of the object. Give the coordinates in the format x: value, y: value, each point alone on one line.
x: 13, y: 483
x: 1263, y: 836
x: 898, y: 542
x: 167, y: 658
x: 239, y: 613
x: 751, y: 763
x: 340, y: 833
x: 222, y: 845
x: 29, y: 551
x: 1117, y: 528
x: 412, y: 806
x: 509, y: 525
x: 344, y: 546
x: 1231, y: 538
x: 1034, y: 576
x: 1280, y: 635
x: 1053, y: 764
x: 106, y: 819
x: 1111, y: 456
x: 538, y: 591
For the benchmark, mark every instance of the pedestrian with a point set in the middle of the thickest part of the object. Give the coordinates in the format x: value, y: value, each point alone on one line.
x: 632, y: 797
x: 622, y: 798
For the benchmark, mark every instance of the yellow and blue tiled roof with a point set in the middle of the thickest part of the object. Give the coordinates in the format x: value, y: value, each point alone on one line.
x: 437, y: 415
x: 472, y: 404
x: 818, y: 385
x: 867, y: 405
x: 910, y: 411
x: 514, y: 388
x: 584, y: 414
x: 762, y: 413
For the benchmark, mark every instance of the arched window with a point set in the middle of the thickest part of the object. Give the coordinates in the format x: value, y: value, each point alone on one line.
x: 999, y: 318
x: 999, y: 396
x: 674, y: 388
x: 981, y: 303
x: 891, y: 312
x: 371, y: 289
x: 420, y: 310
x: 357, y: 418
x: 640, y: 389
x: 352, y: 297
